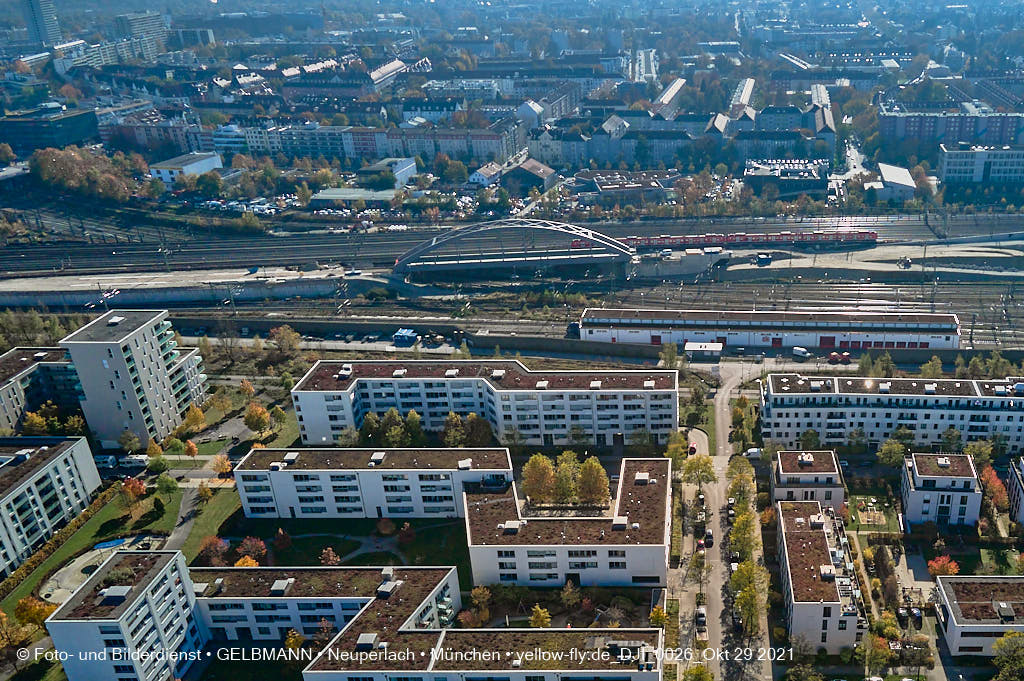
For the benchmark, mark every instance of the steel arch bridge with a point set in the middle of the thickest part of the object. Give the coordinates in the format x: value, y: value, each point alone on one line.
x: 616, y: 249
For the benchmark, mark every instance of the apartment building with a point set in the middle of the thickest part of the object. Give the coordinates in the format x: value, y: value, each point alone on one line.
x: 627, y: 547
x: 386, y: 623
x: 44, y: 483
x: 940, y: 488
x: 531, y: 407
x: 1015, y: 490
x: 366, y: 483
x: 133, y: 618
x: 972, y: 164
x: 133, y: 376
x: 981, y: 125
x: 837, y: 406
x: 29, y: 377
x: 808, y: 476
x: 819, y: 585
x: 976, y: 611
x: 772, y: 328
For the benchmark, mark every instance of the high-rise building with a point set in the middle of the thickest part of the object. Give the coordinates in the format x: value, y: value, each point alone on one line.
x: 41, y: 19
x: 132, y: 376
x: 141, y: 25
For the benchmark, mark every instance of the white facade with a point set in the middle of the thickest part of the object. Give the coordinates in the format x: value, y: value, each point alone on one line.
x: 967, y: 164
x: 365, y: 483
x: 1015, y: 490
x: 835, y: 407
x: 940, y: 488
x: 44, y: 483
x: 182, y: 166
x: 808, y: 476
x: 819, y: 586
x: 626, y: 547
x: 542, y: 407
x: 147, y: 613
x: 976, y: 611
x: 826, y: 330
x: 897, y: 183
x: 133, y: 377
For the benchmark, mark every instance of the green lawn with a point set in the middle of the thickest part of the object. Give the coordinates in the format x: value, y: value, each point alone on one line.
x: 43, y: 670
x: 307, y: 550
x: 111, y: 520
x: 891, y: 522
x: 212, y: 447
x: 374, y: 558
x: 672, y: 628
x: 288, y: 434
x: 211, y: 517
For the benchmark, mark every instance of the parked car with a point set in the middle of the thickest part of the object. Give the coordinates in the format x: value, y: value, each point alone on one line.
x: 709, y: 538
x: 701, y: 616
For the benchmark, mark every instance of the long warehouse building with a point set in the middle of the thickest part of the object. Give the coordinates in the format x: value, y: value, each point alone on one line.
x: 851, y: 330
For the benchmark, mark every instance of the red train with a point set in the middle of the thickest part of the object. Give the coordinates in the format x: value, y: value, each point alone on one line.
x: 841, y: 236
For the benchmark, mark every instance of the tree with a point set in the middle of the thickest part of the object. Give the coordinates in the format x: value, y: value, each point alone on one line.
x: 12, y: 635
x: 191, y: 451
x: 566, y: 468
x: 810, y: 440
x: 699, y: 470
x: 257, y: 418
x: 329, y: 557
x: 414, y: 427
x: 195, y: 419
x: 74, y: 425
x: 453, y: 434
x: 478, y: 431
x: 539, y: 479
x: 749, y: 574
x: 396, y: 437
x: 744, y: 535
x: 570, y: 595
x: 981, y: 452
x: 658, y: 617
x: 166, y: 485
x: 294, y: 640
x: 6, y: 153
x: 254, y: 547
x: 153, y: 450
x: 132, y: 489
x: 803, y: 672
x: 129, y: 441
x: 891, y: 453
x: 698, y: 672
x: 951, y: 440
x: 203, y: 492
x: 943, y: 565
x: 995, y: 490
x: 932, y: 368
x: 209, y: 184
x: 33, y: 424
x: 1009, y: 656
x: 221, y: 464
x: 282, y: 540
x: 32, y: 611
x: 246, y: 561
x: 303, y: 194
x: 247, y: 389
x: 212, y: 550
x: 278, y: 417
x: 369, y: 431
x: 750, y: 603
x: 481, y: 598
x: 976, y: 367
x: 406, y: 535
x: 592, y: 486
x: 349, y: 437
x: 540, y: 618
x: 287, y: 340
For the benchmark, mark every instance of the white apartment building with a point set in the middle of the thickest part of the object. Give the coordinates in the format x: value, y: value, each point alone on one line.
x: 387, y: 623
x: 132, y: 615
x: 973, y: 164
x: 808, y: 476
x: 837, y: 406
x: 365, y: 483
x: 132, y: 375
x: 819, y: 585
x: 29, y: 377
x: 195, y: 163
x: 940, y: 488
x: 772, y: 328
x: 1015, y: 490
x: 975, y: 611
x: 44, y: 483
x: 628, y: 547
x: 531, y: 407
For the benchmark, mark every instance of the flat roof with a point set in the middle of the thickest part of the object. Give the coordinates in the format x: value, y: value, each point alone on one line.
x: 818, y: 461
x: 39, y: 451
x: 345, y: 459
x: 114, y: 326
x: 488, y: 514
x: 310, y: 582
x: 956, y: 465
x: 325, y: 375
x: 17, y: 360
x: 807, y: 550
x: 896, y: 175
x: 133, y: 569
x: 797, y: 384
x: 769, y: 316
x: 185, y: 160
x: 974, y: 599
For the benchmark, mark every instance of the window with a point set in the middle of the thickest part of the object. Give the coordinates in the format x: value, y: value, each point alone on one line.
x: 842, y: 625
x: 824, y: 637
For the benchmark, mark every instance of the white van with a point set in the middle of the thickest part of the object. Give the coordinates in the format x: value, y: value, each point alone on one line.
x: 800, y: 352
x: 753, y: 453
x: 134, y: 461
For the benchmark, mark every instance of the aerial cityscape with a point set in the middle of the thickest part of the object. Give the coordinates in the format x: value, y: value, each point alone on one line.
x: 440, y: 340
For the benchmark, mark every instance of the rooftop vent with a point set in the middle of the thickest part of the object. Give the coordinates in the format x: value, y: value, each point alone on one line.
x: 367, y: 641
x: 115, y: 320
x: 930, y: 388
x: 114, y: 595
x: 215, y: 588
x: 942, y: 461
x: 346, y: 370
x: 291, y: 457
x: 387, y: 572
x: 278, y: 465
x: 498, y: 374
x: 828, y: 573
x: 451, y: 373
x: 377, y: 458
x: 399, y: 373
x: 641, y: 478
x: 884, y: 386
x: 817, y: 521
x: 465, y: 464
x: 1000, y: 390
x: 648, y: 385
x: 281, y: 587
x: 39, y: 355
x: 1005, y: 610
x: 595, y: 385
x: 816, y: 386
x: 511, y: 527
x: 517, y: 663
x: 542, y: 385
x: 387, y: 588
x: 805, y: 459
x: 620, y: 522
x: 634, y: 526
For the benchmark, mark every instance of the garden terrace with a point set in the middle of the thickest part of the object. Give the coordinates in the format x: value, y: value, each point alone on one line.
x: 325, y: 375
x: 458, y: 645
x: 807, y: 550
x: 134, y: 569
x: 488, y: 514
x: 21, y: 457
x: 311, y: 582
x: 960, y: 465
x: 345, y: 459
x: 976, y: 599
x: 15, y: 361
x: 823, y: 461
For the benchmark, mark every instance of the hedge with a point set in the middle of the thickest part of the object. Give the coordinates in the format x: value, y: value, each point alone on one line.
x: 61, y: 536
